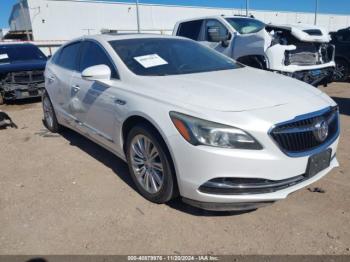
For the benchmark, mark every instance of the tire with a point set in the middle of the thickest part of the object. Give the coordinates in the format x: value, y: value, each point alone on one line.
x: 141, y: 166
x: 341, y: 72
x: 50, y: 119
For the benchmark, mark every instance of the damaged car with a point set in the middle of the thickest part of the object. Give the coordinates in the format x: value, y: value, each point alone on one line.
x: 22, y: 68
x: 299, y: 51
x: 341, y: 41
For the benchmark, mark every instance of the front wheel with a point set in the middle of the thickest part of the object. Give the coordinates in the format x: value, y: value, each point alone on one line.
x: 50, y: 119
x: 150, y: 165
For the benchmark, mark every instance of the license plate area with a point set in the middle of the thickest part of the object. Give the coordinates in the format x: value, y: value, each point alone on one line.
x: 318, y: 162
x: 316, y: 72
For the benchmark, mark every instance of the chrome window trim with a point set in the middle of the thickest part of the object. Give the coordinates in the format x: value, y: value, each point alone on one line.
x: 304, y: 117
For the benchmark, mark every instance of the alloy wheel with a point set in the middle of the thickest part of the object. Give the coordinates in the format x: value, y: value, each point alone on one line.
x: 147, y: 164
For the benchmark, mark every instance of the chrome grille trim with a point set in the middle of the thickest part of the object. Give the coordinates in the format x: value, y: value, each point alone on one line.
x: 295, y: 137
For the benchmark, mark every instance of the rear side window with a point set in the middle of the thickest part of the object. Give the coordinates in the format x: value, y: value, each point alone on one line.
x: 55, y: 57
x: 92, y: 54
x: 68, y: 56
x: 190, y: 29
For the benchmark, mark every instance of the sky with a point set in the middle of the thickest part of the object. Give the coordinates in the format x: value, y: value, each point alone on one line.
x: 325, y: 6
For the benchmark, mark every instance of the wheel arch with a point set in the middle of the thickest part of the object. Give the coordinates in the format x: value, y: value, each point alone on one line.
x: 135, y: 119
x: 251, y: 59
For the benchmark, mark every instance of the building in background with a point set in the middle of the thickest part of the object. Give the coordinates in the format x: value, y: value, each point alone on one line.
x: 57, y: 20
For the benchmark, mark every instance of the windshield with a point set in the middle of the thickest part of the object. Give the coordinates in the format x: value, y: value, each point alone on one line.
x: 161, y: 56
x: 11, y: 53
x: 246, y: 25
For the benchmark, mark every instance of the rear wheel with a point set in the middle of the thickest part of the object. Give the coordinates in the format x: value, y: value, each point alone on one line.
x: 150, y: 165
x: 341, y: 72
x: 50, y: 119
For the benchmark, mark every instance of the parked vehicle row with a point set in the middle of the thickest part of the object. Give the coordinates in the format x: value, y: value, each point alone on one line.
x: 191, y: 121
x: 299, y: 51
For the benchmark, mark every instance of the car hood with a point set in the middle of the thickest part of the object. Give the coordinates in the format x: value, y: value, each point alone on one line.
x: 22, y: 66
x: 230, y: 90
x: 302, y: 32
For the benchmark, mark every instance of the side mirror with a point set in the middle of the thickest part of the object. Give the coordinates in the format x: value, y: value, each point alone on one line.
x: 97, y: 72
x: 215, y: 34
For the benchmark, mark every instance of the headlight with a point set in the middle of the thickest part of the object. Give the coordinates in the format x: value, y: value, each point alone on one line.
x: 201, y: 132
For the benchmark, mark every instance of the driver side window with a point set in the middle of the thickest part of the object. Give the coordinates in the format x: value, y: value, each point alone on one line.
x: 214, y: 24
x: 92, y: 54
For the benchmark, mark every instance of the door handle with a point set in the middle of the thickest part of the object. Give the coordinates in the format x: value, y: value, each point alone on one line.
x: 76, y: 88
x: 118, y: 101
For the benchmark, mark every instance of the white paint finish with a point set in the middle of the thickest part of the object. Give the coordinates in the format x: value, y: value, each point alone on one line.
x: 297, y: 30
x: 98, y: 72
x: 64, y: 20
x: 249, y: 99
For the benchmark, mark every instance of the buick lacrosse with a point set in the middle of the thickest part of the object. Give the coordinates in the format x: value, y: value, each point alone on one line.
x: 192, y: 122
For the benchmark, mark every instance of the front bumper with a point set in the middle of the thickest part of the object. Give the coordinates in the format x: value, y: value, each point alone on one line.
x: 226, y: 206
x: 313, y: 77
x: 17, y: 91
x: 207, y: 163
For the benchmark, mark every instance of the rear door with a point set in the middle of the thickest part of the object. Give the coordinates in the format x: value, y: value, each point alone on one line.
x: 93, y: 102
x: 58, y: 79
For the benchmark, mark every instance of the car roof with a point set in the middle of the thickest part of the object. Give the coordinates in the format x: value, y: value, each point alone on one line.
x: 113, y: 37
x: 216, y: 17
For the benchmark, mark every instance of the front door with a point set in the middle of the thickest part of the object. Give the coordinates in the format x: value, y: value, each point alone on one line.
x: 59, y: 77
x: 93, y: 102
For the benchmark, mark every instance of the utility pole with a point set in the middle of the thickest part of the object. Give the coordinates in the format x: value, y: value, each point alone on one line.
x: 24, y: 20
x: 138, y: 16
x: 316, y: 11
x: 246, y: 7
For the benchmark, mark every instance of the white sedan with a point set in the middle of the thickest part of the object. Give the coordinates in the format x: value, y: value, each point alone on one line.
x: 192, y: 122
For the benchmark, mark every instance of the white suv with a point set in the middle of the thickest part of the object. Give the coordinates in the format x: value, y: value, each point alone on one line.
x: 191, y: 121
x: 299, y: 51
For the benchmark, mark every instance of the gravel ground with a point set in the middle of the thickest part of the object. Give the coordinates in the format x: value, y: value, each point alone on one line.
x: 61, y: 194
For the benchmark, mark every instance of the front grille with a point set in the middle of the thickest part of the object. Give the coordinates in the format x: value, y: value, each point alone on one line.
x: 300, y: 135
x: 303, y: 58
x: 309, y: 54
x: 26, y: 77
x: 327, y: 53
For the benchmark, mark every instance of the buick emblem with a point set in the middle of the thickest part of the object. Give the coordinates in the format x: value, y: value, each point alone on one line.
x: 321, y: 130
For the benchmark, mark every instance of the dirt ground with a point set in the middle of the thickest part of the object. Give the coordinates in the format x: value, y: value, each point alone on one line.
x: 61, y: 194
